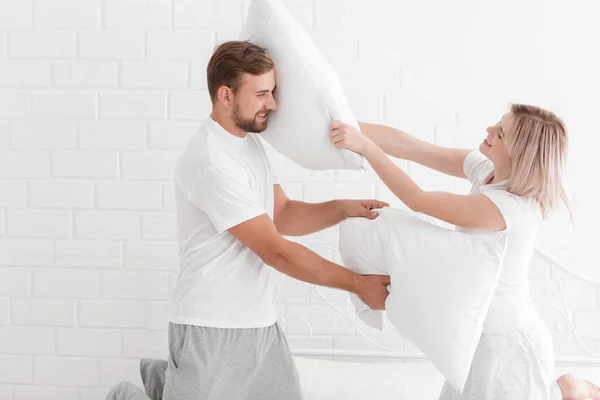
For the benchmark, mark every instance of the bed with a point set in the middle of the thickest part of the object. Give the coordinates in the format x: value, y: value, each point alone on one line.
x: 385, y: 373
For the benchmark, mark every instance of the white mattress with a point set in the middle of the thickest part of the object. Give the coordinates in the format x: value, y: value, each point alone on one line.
x: 341, y: 380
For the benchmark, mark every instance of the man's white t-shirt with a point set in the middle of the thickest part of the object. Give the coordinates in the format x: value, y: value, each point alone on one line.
x: 511, y: 306
x: 221, y: 180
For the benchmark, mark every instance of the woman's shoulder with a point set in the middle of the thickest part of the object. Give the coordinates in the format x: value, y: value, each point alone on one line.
x: 518, y: 211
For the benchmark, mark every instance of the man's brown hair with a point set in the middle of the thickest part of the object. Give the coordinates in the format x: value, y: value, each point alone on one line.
x: 231, y: 60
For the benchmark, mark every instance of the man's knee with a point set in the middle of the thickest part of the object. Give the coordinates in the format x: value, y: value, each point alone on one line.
x: 126, y: 391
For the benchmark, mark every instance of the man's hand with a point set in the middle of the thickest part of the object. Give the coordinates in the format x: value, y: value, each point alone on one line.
x: 372, y: 290
x: 362, y: 208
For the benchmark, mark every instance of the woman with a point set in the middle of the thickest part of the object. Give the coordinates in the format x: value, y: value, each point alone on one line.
x: 516, y: 181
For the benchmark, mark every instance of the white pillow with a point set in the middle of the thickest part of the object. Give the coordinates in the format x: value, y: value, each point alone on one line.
x: 442, y: 283
x: 309, y: 94
x: 352, y: 380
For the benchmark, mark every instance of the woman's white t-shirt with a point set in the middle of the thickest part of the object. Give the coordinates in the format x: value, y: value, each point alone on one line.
x: 511, y: 307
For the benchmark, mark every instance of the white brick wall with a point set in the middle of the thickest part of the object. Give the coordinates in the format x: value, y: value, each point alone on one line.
x: 112, y: 135
x: 70, y: 74
x: 97, y: 102
x: 26, y: 251
x: 15, y: 15
x: 84, y: 15
x: 61, y: 194
x: 14, y: 370
x: 15, y: 104
x: 111, y: 44
x: 4, y: 138
x: 63, y: 371
x: 25, y: 73
x: 131, y: 105
x: 43, y: 311
x: 41, y: 44
x: 87, y: 253
x: 24, y: 164
x: 44, y: 135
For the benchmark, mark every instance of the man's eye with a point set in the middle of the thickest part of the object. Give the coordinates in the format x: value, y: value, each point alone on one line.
x: 261, y: 94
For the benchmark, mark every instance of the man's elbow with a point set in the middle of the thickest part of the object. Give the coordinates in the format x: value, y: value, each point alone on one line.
x: 274, y: 254
x: 272, y: 258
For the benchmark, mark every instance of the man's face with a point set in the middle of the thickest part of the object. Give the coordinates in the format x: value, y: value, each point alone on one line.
x: 253, y: 102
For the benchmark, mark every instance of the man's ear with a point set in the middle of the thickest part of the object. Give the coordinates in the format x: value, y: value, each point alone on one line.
x: 225, y: 96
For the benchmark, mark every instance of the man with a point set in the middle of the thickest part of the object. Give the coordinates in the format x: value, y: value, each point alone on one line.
x: 224, y: 342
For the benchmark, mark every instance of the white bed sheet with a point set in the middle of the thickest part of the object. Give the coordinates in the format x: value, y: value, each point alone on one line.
x: 415, y: 380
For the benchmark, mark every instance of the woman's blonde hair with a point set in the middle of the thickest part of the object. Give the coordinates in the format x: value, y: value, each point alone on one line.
x: 537, y: 145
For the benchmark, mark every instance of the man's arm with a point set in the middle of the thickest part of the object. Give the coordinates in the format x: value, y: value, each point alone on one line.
x: 297, y: 218
x: 260, y: 235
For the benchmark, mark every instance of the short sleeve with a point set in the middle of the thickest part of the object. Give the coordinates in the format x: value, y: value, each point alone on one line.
x: 225, y: 196
x: 269, y: 153
x: 477, y: 167
x: 274, y: 176
x: 510, y: 206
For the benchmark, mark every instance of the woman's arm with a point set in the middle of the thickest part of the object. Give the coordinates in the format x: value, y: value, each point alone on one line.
x: 400, y: 144
x: 470, y: 211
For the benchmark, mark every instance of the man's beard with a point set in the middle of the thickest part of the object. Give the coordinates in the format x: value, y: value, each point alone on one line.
x: 247, y: 124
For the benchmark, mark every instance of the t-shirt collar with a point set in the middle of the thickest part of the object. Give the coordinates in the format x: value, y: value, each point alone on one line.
x: 215, y: 127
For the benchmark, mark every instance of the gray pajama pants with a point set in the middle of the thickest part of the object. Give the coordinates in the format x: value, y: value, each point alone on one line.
x: 230, y: 364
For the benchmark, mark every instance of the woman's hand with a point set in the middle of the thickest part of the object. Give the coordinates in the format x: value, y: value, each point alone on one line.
x: 344, y: 136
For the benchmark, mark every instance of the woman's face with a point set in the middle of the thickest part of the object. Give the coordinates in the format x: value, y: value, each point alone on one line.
x: 494, y: 145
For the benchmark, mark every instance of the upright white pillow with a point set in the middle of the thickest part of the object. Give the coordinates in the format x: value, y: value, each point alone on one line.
x: 442, y: 283
x: 309, y: 94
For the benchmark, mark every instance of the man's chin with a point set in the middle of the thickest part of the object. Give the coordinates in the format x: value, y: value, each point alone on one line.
x: 260, y: 127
